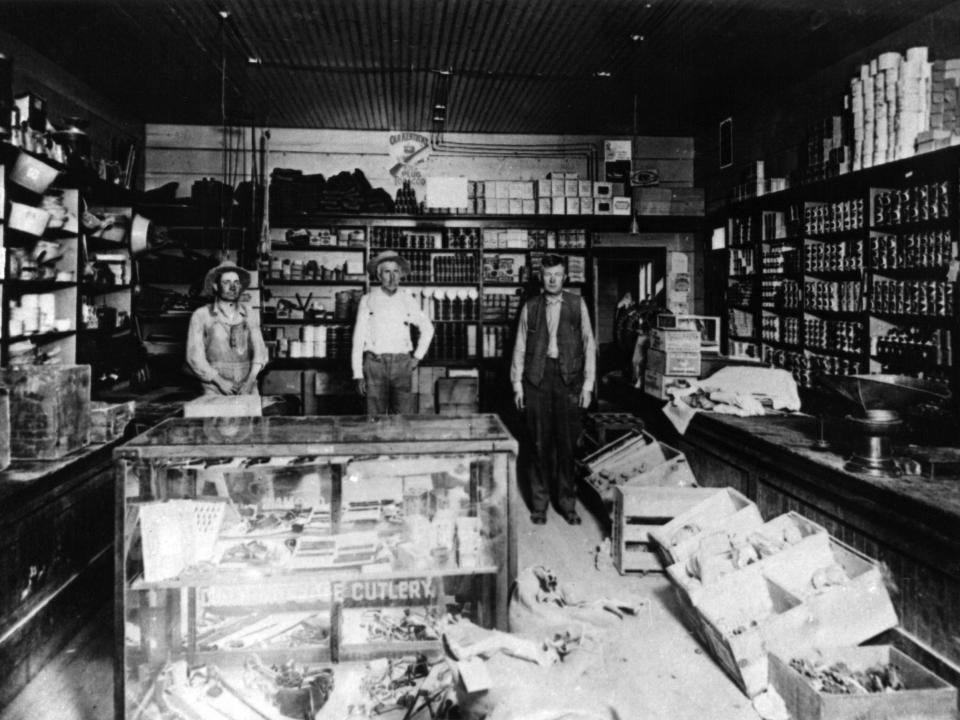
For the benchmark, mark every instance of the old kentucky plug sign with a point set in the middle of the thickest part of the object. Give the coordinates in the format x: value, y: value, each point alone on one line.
x: 408, y: 149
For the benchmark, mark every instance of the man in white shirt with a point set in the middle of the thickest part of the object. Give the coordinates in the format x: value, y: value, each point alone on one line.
x: 553, y: 371
x: 383, y: 357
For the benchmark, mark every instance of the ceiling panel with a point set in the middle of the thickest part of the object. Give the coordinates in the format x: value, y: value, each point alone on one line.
x: 522, y: 66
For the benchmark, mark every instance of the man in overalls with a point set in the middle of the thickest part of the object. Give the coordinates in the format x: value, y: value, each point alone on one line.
x: 383, y: 356
x: 225, y: 347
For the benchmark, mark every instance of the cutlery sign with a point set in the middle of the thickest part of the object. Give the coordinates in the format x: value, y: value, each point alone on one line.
x: 406, y: 150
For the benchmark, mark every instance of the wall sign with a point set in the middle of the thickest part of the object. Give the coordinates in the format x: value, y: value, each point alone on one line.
x: 380, y: 593
x: 407, y: 150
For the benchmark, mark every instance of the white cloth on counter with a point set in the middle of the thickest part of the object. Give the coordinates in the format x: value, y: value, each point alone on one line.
x: 735, y: 390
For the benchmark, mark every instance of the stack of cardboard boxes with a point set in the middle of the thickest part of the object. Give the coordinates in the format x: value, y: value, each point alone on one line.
x: 672, y: 358
x: 560, y: 193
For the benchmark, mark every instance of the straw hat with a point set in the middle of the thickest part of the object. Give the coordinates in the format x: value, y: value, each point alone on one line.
x: 384, y: 257
x: 213, y: 277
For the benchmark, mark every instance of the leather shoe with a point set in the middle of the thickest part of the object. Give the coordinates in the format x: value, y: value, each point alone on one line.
x: 572, y: 518
x: 538, y: 518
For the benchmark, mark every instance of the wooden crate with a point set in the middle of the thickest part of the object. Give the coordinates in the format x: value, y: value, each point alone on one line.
x: 841, y: 615
x: 801, y: 619
x: 639, y: 459
x: 809, y: 535
x: 925, y: 696
x: 605, y: 427
x: 728, y: 510
x: 638, y: 509
x: 49, y: 409
x: 739, y: 621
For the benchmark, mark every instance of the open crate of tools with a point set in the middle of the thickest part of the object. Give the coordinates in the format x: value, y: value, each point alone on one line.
x: 748, y: 588
x: 257, y: 553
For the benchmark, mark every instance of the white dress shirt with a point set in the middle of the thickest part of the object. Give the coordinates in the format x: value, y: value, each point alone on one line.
x: 383, y: 326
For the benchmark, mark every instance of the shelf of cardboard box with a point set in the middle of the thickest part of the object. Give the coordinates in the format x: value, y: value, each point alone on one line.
x: 39, y: 338
x: 102, y: 288
x: 245, y: 576
x: 937, y: 164
x: 742, y: 276
x: 741, y: 306
x: 743, y: 338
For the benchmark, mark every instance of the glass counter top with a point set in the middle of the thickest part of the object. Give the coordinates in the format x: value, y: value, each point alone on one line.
x: 326, y: 430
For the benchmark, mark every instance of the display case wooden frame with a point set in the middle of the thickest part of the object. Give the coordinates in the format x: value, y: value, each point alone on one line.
x: 411, y: 467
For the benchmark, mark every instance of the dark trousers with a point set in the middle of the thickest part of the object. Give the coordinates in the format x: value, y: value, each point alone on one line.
x: 554, y: 421
x: 388, y: 380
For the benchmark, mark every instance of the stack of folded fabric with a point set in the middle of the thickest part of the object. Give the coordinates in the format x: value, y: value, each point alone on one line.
x: 292, y: 193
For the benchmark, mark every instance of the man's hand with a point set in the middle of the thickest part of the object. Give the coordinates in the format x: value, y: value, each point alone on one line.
x: 361, y: 386
x: 414, y: 362
x: 586, y: 395
x: 248, y: 386
x: 227, y: 387
x: 518, y: 399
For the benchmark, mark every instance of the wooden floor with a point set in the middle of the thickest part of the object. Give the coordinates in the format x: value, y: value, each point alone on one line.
x: 649, y: 664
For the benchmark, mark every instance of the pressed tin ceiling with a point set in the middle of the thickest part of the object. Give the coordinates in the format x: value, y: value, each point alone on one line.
x: 515, y: 66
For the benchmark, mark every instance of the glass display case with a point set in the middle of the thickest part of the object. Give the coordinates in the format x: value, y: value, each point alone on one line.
x: 269, y: 541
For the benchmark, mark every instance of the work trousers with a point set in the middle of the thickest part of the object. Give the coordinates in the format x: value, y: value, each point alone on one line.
x: 554, y: 421
x: 388, y: 380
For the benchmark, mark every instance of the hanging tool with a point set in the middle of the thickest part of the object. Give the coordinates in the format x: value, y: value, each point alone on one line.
x: 264, y: 166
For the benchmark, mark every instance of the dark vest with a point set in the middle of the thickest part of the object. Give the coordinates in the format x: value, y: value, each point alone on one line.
x: 569, y: 340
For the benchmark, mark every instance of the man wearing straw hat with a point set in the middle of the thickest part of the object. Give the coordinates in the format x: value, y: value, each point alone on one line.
x: 225, y: 347
x: 383, y: 357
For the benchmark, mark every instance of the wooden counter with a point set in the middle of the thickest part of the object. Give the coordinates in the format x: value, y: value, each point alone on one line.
x: 911, y: 524
x: 56, y: 564
x: 56, y: 551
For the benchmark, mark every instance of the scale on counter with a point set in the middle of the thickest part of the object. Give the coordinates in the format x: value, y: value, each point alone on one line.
x: 881, y: 399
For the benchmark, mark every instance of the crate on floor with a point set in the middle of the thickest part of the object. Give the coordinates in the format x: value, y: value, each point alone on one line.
x: 605, y: 427
x: 726, y: 511
x: 925, y: 696
x: 638, y: 509
x: 636, y: 458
